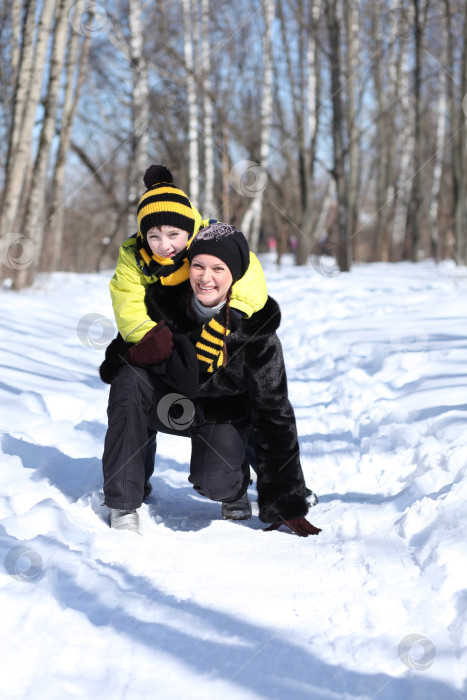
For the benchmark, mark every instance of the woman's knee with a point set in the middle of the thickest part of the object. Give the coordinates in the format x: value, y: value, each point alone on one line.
x: 218, y: 465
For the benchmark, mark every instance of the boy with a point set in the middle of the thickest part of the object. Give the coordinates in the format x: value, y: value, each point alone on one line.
x: 167, y: 224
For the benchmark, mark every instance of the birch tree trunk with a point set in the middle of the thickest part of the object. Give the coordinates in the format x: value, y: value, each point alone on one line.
x: 26, y: 101
x: 226, y: 165
x: 321, y: 230
x: 459, y: 116
x: 298, y: 160
x: 76, y: 63
x: 386, y: 88
x: 140, y: 111
x: 15, y: 14
x: 351, y: 14
x: 403, y: 188
x: 22, y: 84
x: 208, y: 204
x: 311, y: 111
x: 251, y: 222
x: 33, y: 223
x: 381, y: 247
x: 16, y: 162
x: 192, y: 104
x: 22, y: 146
x: 439, y: 149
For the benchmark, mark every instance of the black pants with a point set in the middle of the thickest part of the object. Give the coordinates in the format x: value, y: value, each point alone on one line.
x: 151, y: 447
x: 141, y: 404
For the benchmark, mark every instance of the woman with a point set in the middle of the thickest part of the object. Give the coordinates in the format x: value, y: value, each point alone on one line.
x: 157, y: 255
x: 242, y: 388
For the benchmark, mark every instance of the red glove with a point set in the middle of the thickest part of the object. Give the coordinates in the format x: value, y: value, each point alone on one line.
x: 154, y: 347
x: 300, y: 526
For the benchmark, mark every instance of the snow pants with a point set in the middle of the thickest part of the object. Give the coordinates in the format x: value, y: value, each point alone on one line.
x: 141, y: 404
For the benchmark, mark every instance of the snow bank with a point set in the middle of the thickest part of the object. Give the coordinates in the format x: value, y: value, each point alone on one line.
x: 375, y: 606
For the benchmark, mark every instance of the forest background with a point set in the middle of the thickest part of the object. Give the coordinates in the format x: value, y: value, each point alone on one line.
x: 335, y: 129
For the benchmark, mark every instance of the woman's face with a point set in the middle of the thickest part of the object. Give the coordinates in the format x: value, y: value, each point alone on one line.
x: 210, y: 279
x: 166, y: 241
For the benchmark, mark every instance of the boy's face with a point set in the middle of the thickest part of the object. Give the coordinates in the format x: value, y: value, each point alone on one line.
x: 166, y: 241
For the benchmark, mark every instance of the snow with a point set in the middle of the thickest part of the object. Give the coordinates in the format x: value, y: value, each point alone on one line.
x: 197, y: 607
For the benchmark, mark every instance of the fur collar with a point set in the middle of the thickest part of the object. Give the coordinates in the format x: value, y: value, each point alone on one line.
x: 265, y: 321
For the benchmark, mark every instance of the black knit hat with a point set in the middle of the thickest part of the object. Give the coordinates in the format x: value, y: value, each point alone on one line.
x: 163, y: 203
x: 225, y: 242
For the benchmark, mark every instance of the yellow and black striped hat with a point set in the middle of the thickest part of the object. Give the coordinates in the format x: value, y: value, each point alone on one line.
x: 163, y: 204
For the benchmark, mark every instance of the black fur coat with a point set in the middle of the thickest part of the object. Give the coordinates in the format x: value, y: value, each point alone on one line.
x: 250, y: 391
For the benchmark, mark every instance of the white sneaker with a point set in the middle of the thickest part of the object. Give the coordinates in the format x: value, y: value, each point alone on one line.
x: 124, y: 519
x: 238, y: 510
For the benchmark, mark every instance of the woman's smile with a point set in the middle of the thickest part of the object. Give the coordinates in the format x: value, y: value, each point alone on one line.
x: 210, y: 279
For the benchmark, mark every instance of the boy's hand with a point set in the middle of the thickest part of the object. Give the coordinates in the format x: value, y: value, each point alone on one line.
x: 154, y: 347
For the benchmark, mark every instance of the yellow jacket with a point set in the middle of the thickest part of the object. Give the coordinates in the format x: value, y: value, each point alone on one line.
x: 128, y: 289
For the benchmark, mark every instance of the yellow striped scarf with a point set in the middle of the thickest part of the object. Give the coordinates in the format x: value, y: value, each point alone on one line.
x: 210, y: 346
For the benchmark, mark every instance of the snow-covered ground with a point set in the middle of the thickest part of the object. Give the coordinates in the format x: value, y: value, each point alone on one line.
x: 374, y: 607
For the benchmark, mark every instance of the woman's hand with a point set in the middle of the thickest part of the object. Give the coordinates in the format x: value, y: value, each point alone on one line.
x: 300, y: 526
x: 154, y: 347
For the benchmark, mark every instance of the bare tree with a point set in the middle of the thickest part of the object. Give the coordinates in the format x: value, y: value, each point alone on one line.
x: 26, y: 99
x: 306, y: 108
x: 458, y: 109
x: 33, y: 221
x: 211, y: 106
x: 384, y: 69
x: 192, y: 101
x: 75, y: 65
x: 416, y: 197
x: 403, y: 188
x: 22, y: 57
x: 139, y: 109
x: 251, y: 221
x: 439, y: 143
x: 15, y: 13
x: 351, y: 18
x: 225, y: 175
x: 328, y: 198
x: 344, y: 248
x: 208, y: 137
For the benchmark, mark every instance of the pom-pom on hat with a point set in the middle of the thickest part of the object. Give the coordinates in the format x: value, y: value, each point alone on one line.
x: 163, y: 204
x: 225, y: 242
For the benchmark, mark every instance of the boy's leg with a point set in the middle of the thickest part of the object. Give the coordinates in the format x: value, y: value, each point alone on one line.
x: 219, y: 469
x: 149, y: 458
x: 140, y: 405
x: 130, y: 400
